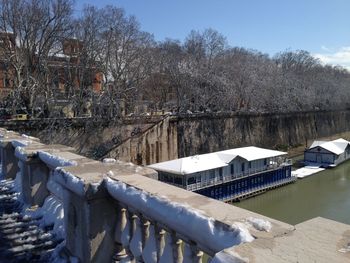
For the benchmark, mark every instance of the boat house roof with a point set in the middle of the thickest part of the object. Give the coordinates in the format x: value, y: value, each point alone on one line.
x: 336, y: 146
x: 203, y: 162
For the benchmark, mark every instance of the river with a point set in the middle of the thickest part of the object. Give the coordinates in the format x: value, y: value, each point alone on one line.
x: 325, y: 194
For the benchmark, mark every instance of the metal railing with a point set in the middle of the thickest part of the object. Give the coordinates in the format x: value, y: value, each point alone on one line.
x: 236, y: 176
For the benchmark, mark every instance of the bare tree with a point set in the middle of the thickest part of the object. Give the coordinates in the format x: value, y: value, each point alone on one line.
x: 38, y: 28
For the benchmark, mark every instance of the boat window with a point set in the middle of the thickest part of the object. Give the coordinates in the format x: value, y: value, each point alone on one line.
x: 178, y: 180
x: 191, y: 180
x: 212, y: 174
x: 232, y: 168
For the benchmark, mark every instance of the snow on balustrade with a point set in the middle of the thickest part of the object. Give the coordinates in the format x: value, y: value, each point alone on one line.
x: 167, y: 222
x: 55, y: 160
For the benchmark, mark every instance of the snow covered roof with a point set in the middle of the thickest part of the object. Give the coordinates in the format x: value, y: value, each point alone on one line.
x: 336, y: 146
x: 203, y: 162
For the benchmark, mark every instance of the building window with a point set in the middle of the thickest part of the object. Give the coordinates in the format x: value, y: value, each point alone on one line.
x: 250, y: 165
x: 220, y: 172
x: 232, y: 168
x: 265, y: 161
x: 242, y: 167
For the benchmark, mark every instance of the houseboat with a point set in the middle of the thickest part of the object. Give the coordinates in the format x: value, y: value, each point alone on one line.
x: 228, y: 175
x: 327, y: 153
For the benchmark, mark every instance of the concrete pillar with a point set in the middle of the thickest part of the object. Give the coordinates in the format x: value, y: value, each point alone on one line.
x: 8, y: 161
x: 7, y: 151
x: 90, y: 215
x: 35, y: 173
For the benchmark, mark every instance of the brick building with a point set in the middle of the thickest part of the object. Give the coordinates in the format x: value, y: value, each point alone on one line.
x: 65, y: 68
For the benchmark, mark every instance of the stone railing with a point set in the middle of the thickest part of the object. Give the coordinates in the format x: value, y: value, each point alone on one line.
x: 117, y: 212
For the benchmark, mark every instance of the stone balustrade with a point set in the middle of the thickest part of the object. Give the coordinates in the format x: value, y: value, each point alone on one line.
x: 117, y: 212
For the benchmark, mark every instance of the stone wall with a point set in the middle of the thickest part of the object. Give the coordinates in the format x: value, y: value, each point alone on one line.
x: 201, y: 134
x: 147, y: 141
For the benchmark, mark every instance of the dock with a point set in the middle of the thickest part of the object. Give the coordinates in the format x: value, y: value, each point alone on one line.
x: 307, y: 171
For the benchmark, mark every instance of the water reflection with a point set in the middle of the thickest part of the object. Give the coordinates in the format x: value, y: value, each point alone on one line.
x: 325, y: 194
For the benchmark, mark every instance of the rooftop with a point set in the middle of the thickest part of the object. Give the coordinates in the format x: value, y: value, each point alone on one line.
x: 336, y: 146
x: 203, y: 162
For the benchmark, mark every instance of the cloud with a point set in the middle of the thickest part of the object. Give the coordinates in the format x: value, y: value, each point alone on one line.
x: 340, y: 57
x: 326, y: 48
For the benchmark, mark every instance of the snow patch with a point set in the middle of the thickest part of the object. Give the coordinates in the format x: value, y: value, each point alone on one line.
x: 52, y: 214
x: 28, y: 137
x: 182, y: 219
x: 110, y: 173
x: 109, y: 160
x: 228, y: 256
x: 55, y: 161
x: 69, y: 180
x: 260, y: 224
x: 55, y: 188
x: 20, y: 153
x: 345, y: 250
x: 21, y: 143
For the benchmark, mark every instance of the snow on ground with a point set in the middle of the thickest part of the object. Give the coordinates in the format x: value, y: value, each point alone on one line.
x: 51, y: 214
x: 183, y: 219
x: 306, y: 171
x: 27, y: 235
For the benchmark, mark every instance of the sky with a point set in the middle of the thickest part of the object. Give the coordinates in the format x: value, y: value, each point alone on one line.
x: 321, y: 27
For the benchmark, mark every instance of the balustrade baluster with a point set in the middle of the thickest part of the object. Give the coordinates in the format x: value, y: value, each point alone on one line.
x: 121, y: 228
x: 167, y: 253
x: 149, y: 253
x: 178, y: 255
x: 161, y: 242
x: 197, y: 256
x: 136, y: 237
x: 145, y: 232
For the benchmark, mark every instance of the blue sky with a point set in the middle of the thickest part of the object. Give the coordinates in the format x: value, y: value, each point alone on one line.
x: 321, y: 27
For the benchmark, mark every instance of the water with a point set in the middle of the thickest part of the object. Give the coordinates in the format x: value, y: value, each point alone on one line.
x: 325, y: 194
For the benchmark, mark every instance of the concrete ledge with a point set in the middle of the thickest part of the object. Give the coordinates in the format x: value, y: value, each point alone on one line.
x: 315, y: 240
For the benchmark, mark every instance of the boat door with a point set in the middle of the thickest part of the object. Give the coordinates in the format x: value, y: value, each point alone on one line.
x: 318, y: 158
